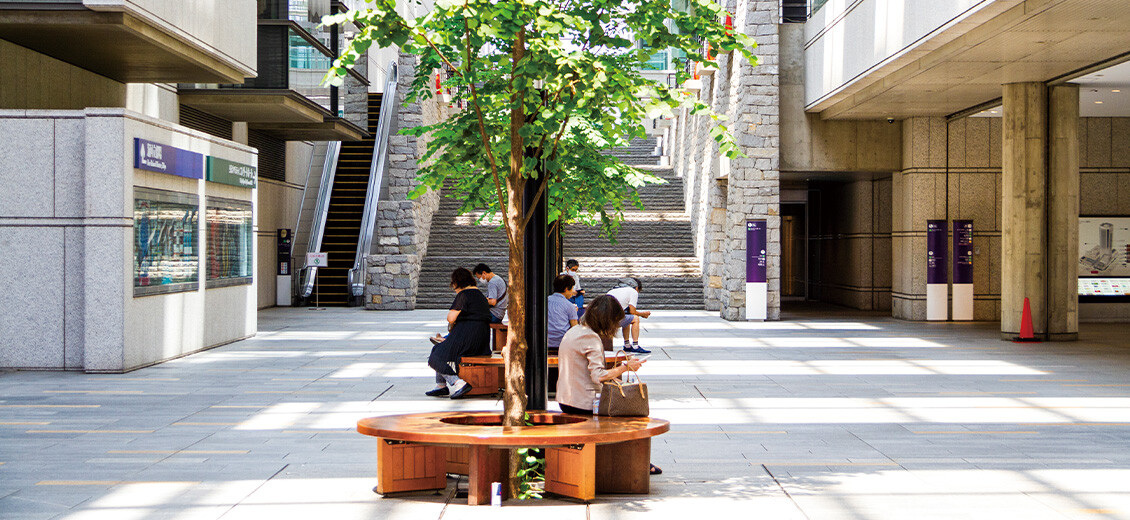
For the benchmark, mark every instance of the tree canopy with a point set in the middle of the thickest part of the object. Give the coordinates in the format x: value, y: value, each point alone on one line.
x: 577, y: 87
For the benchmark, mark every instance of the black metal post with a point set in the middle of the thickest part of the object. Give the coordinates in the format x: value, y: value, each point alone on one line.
x: 537, y: 283
x: 335, y: 49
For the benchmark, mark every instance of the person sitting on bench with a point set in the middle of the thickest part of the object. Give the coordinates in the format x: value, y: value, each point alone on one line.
x: 496, y: 292
x: 469, y: 323
x: 562, y: 313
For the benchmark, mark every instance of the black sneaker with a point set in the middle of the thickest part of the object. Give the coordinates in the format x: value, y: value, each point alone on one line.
x: 462, y: 391
x: 437, y: 392
x: 637, y: 350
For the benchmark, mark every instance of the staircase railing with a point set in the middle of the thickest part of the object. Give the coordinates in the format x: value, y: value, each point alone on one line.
x: 321, y: 213
x: 376, y: 178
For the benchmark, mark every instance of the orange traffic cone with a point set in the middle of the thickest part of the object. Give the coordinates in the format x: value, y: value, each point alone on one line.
x: 1026, y: 333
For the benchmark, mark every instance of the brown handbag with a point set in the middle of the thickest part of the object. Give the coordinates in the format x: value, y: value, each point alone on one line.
x: 620, y: 399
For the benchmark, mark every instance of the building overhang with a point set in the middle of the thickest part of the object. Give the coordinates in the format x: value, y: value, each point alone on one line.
x: 964, y: 64
x: 115, y: 44
x: 329, y: 129
x: 275, y: 106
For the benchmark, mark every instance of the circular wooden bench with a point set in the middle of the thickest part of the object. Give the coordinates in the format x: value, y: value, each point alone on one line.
x: 583, y: 455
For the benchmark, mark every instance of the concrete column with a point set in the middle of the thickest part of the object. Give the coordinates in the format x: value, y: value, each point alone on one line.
x: 1063, y: 213
x: 1024, y: 207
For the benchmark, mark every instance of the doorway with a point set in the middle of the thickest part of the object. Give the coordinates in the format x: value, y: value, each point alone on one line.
x: 794, y: 251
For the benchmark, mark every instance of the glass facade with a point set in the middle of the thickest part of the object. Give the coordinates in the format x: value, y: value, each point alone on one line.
x: 230, y: 256
x: 166, y: 242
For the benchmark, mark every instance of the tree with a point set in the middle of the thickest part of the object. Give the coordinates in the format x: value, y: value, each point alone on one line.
x: 543, y: 86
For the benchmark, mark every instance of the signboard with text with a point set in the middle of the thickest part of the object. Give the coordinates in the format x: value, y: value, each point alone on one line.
x: 162, y: 158
x: 936, y: 252
x: 317, y: 259
x: 232, y: 173
x: 756, y: 270
x: 962, y: 251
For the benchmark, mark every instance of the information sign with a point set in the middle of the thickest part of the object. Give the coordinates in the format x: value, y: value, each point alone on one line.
x: 162, y: 158
x: 756, y: 271
x: 232, y: 173
x: 937, y: 271
x: 317, y: 259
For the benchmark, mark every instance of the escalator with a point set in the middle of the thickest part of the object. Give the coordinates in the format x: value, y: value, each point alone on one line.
x: 346, y: 213
x: 338, y: 215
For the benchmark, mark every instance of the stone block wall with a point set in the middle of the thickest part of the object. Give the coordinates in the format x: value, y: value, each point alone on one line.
x: 391, y: 282
x: 403, y: 225
x: 722, y: 194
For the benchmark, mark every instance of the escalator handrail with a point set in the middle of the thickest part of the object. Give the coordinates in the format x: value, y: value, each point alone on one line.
x: 321, y: 213
x: 376, y: 178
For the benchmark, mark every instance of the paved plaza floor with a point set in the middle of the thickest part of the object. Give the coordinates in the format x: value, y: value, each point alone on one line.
x: 826, y: 415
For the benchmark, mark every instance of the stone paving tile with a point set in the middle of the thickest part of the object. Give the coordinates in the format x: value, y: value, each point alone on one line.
x: 829, y: 414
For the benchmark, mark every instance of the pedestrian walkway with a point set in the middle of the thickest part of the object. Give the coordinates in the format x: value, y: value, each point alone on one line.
x: 853, y: 417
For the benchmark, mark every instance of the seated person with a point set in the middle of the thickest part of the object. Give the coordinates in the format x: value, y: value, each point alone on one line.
x: 469, y: 323
x: 571, y: 268
x: 580, y: 359
x: 496, y: 292
x: 562, y: 313
x: 627, y: 292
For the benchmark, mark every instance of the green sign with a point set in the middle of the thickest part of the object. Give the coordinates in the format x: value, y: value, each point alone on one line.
x: 224, y: 171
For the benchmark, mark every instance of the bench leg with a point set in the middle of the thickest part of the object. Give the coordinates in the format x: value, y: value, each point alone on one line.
x: 486, y: 466
x: 409, y: 467
x: 623, y: 467
x: 571, y: 471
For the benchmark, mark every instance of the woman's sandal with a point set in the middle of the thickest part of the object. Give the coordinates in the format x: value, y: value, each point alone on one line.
x: 655, y: 470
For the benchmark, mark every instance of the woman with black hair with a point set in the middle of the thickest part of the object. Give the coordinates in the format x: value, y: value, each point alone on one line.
x: 469, y: 323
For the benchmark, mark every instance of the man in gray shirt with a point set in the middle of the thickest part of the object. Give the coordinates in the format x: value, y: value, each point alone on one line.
x: 497, y: 295
x: 562, y: 312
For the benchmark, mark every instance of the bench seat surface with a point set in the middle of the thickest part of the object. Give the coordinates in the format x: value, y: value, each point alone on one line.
x: 427, y: 428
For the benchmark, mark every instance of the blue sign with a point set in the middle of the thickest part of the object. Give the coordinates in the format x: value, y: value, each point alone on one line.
x: 162, y: 158
x: 755, y: 259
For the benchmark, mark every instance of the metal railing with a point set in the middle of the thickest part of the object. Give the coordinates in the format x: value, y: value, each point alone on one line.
x: 376, y: 178
x: 321, y: 212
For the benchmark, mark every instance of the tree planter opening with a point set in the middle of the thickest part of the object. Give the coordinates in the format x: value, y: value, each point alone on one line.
x: 535, y: 419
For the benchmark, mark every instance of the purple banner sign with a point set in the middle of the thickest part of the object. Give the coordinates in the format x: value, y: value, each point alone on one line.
x: 963, y: 251
x: 936, y: 268
x: 162, y: 158
x: 755, y: 260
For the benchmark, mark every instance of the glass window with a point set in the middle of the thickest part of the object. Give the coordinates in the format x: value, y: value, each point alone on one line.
x: 166, y: 247
x: 230, y: 258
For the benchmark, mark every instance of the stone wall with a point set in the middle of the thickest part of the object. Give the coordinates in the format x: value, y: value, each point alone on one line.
x: 403, y: 225
x: 722, y: 194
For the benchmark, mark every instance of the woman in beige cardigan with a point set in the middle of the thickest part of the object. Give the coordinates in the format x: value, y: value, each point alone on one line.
x: 580, y: 359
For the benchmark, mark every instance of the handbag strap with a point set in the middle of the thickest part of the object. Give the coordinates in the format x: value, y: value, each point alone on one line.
x: 620, y: 385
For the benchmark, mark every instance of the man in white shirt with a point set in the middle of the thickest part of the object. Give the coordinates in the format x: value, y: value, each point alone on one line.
x: 627, y: 292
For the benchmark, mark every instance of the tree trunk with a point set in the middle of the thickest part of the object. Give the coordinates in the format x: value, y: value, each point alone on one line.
x: 514, y: 399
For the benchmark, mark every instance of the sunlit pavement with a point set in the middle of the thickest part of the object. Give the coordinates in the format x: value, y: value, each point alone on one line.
x: 826, y: 415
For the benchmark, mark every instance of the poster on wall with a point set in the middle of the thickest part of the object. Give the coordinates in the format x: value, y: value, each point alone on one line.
x: 1104, y: 257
